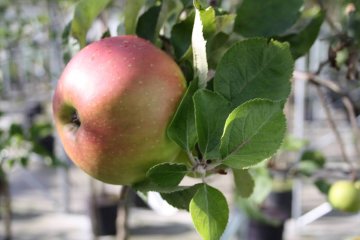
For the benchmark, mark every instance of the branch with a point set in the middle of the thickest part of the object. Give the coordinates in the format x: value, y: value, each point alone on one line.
x: 122, y: 229
x: 334, y: 128
x: 349, y: 106
x: 328, y: 19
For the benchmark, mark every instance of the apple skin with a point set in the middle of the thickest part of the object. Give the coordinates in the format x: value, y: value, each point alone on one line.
x: 112, y: 105
x: 345, y: 196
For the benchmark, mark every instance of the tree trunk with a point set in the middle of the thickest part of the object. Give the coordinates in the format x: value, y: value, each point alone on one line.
x: 5, y: 198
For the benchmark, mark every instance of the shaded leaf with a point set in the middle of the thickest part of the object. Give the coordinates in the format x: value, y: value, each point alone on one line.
x: 146, y: 26
x: 181, y: 198
x: 167, y: 174
x: 182, y: 128
x: 258, y: 18
x: 148, y: 185
x: 323, y: 185
x: 302, y: 40
x: 169, y: 15
x: 181, y: 36
x: 211, y: 111
x: 244, y: 182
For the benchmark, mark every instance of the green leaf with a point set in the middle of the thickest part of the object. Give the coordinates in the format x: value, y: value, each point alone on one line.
x: 187, y: 3
x: 307, y: 168
x: 254, y: 68
x: 106, y: 34
x: 16, y: 129
x: 258, y: 18
x: 146, y: 27
x: 225, y: 23
x: 66, y: 33
x: 244, y: 182
x: 200, y: 4
x: 170, y: 11
x: 216, y: 48
x: 293, y: 144
x: 163, y: 177
x: 167, y: 174
x: 313, y: 156
x: 210, y: 212
x: 182, y: 128
x: 181, y: 36
x: 39, y: 130
x: 132, y: 9
x: 252, y: 133
x: 211, y: 111
x: 263, y: 185
x: 148, y: 185
x: 65, y: 43
x: 311, y: 161
x: 85, y: 13
x: 208, y: 20
x: 198, y: 45
x: 301, y: 41
x: 181, y: 199
x: 323, y: 185
x: 24, y: 161
x: 11, y: 162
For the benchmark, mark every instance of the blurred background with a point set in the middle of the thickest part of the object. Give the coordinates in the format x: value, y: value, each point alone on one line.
x: 44, y: 196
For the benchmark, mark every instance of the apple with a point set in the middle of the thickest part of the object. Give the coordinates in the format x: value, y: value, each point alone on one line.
x: 112, y: 105
x: 344, y: 196
x: 357, y: 184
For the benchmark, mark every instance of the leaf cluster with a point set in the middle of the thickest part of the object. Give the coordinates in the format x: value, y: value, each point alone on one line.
x: 18, y: 145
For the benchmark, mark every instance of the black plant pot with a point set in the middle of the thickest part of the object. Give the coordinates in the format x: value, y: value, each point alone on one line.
x: 276, y: 207
x: 281, y: 202
x: 263, y: 231
x: 103, y: 211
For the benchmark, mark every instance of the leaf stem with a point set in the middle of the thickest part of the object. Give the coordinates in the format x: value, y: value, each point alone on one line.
x: 191, y: 157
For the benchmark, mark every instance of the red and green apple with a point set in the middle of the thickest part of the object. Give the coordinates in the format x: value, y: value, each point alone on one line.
x: 112, y: 105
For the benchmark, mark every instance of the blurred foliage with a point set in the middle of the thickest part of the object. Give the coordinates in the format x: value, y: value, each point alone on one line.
x: 19, y: 147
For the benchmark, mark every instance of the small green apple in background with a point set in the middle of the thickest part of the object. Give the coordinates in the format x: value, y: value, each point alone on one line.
x: 345, y: 196
x: 112, y: 105
x: 357, y: 184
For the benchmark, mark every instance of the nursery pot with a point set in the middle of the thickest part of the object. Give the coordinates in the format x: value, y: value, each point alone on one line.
x: 262, y: 231
x: 281, y: 202
x: 103, y: 211
x: 277, y: 207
